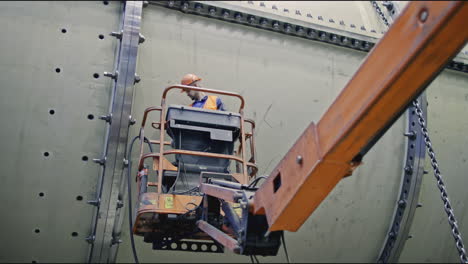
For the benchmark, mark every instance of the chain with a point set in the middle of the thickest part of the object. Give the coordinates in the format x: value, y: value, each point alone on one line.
x: 448, y: 207
x: 440, y: 184
x: 380, y: 13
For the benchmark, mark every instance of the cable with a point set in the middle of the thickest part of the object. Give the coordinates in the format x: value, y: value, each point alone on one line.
x: 284, y: 246
x: 254, y: 182
x: 129, y: 189
x: 185, y: 192
x: 178, y: 165
x: 149, y: 144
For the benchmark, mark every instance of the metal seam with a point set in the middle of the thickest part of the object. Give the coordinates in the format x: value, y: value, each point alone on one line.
x: 282, y: 27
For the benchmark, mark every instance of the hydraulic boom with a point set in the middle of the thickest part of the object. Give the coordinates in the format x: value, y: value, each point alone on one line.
x: 409, y: 56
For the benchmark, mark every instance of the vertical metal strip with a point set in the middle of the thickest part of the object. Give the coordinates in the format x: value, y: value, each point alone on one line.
x: 412, y: 174
x: 407, y: 200
x: 118, y: 134
x: 90, y: 239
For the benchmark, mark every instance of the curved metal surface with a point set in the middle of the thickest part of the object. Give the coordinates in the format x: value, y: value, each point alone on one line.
x: 46, y: 112
x: 282, y: 23
x: 49, y: 103
x: 408, y: 196
x: 106, y: 230
x: 431, y: 238
x: 201, y: 89
x: 298, y: 81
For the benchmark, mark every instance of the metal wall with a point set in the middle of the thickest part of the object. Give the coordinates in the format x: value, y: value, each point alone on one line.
x: 50, y: 101
x: 431, y: 239
x: 51, y: 130
x: 287, y: 82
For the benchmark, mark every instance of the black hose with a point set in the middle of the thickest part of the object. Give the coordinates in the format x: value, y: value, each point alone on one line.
x: 284, y: 246
x: 129, y: 188
x: 253, y: 184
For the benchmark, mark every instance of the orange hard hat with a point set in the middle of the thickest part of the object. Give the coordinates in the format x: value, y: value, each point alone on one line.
x: 189, y: 79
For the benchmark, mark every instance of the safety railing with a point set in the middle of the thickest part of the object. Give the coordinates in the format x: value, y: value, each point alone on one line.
x: 240, y: 156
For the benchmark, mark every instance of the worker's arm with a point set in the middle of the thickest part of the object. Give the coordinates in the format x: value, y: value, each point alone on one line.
x: 219, y: 104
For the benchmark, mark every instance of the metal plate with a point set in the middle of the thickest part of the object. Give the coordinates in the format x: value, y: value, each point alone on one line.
x: 287, y: 82
x: 281, y: 76
x: 33, y: 47
x: 106, y: 230
x: 431, y: 240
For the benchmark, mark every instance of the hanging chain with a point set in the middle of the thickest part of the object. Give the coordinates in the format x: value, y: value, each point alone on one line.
x: 440, y: 184
x: 380, y: 13
x: 448, y: 207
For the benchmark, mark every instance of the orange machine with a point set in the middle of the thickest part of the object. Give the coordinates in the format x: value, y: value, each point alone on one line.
x: 231, y: 213
x: 202, y: 150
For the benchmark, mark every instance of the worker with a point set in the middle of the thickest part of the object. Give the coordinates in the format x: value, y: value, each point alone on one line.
x: 199, y: 98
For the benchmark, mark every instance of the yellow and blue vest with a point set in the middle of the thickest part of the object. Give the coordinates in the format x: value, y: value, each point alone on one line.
x: 209, y: 102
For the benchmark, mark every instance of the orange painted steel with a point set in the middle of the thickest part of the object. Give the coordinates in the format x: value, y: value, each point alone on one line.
x: 409, y: 56
x: 226, y: 194
x: 195, y: 153
x: 242, y: 178
x: 201, y: 89
x: 219, y: 236
x: 142, y: 128
x: 153, y: 203
x: 157, y: 142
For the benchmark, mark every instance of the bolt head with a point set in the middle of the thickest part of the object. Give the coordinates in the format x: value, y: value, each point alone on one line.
x: 299, y: 159
x: 423, y: 16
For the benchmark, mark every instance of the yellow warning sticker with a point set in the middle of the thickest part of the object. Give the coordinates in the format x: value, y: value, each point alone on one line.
x: 169, y: 202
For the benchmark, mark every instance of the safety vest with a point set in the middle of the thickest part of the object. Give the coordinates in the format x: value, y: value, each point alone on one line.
x: 210, y: 103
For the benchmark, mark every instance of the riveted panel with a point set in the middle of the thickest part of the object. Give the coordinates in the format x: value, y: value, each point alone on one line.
x: 287, y: 82
x: 431, y: 239
x: 52, y: 58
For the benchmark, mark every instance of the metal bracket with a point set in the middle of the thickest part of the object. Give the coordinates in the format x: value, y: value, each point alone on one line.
x: 90, y: 239
x: 101, y: 162
x: 141, y: 38
x: 117, y: 35
x: 94, y: 202
x: 411, y: 135
x: 132, y: 120
x: 112, y: 75
x: 116, y: 240
x: 137, y: 79
x: 107, y: 118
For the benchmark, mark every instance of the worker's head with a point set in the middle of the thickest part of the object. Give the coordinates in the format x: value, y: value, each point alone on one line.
x: 191, y: 79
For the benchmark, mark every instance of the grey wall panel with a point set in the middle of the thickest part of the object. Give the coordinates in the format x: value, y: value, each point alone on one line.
x: 334, y: 14
x: 432, y: 240
x: 32, y: 47
x: 287, y: 82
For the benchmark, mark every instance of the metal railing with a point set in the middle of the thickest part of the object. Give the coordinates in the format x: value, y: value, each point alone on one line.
x: 240, y: 156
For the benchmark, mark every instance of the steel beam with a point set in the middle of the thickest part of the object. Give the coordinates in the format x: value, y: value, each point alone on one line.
x: 103, y: 239
x: 412, y: 175
x: 391, y: 76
